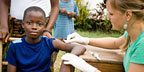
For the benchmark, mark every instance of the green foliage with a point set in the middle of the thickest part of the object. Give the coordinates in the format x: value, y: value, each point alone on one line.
x: 102, y: 25
x: 82, y: 21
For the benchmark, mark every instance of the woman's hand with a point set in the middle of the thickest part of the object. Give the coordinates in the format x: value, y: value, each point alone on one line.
x: 78, y: 62
x: 75, y: 37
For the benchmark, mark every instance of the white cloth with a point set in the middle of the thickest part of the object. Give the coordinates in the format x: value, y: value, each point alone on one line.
x: 18, y: 7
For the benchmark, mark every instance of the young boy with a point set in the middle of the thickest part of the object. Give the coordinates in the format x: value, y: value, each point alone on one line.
x: 33, y: 52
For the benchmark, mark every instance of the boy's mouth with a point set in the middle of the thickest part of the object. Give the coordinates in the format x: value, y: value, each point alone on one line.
x: 33, y: 33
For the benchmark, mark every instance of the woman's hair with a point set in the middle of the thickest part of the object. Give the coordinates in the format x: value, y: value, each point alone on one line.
x: 124, y: 46
x: 137, y: 8
x: 33, y: 8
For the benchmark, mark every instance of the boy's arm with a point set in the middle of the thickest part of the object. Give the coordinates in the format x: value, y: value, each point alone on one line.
x: 53, y: 16
x: 71, y: 48
x: 11, y: 68
x: 74, y: 49
x: 4, y: 33
x: 11, y: 58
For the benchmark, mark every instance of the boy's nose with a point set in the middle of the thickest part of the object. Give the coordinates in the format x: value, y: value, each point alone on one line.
x: 34, y: 26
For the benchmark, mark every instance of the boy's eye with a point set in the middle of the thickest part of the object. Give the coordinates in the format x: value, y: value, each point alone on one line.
x: 29, y: 23
x: 39, y: 23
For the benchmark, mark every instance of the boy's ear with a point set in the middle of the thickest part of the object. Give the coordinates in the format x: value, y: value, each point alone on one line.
x: 22, y: 24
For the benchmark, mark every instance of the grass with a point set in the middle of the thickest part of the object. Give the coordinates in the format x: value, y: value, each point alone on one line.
x: 90, y: 34
x: 97, y: 34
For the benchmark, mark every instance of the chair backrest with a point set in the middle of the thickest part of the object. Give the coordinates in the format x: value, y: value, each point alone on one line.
x: 1, y: 55
x: 1, y: 49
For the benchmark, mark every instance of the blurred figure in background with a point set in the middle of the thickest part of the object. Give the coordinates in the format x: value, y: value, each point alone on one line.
x: 65, y: 24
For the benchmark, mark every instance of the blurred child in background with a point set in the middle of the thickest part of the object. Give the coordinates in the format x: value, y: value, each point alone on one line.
x: 65, y: 24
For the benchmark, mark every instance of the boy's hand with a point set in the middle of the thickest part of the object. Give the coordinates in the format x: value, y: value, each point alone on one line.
x: 63, y: 11
x: 72, y: 14
x: 4, y: 34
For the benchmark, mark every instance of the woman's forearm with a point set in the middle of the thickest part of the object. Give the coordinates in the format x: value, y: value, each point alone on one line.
x: 108, y: 42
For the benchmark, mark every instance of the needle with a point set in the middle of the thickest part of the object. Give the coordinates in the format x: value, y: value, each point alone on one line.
x: 95, y: 55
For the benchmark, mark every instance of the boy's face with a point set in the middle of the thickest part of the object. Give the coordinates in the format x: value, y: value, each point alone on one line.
x: 33, y: 24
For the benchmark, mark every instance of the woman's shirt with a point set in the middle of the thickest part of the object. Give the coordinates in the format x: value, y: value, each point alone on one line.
x: 134, y: 53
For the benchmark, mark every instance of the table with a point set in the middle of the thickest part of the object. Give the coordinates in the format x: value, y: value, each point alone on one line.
x: 111, y: 60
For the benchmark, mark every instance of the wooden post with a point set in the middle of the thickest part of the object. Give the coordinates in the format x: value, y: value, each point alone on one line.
x: 1, y: 49
x: 1, y: 56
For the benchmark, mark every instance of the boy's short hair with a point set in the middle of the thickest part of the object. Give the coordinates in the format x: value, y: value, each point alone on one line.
x: 33, y: 8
